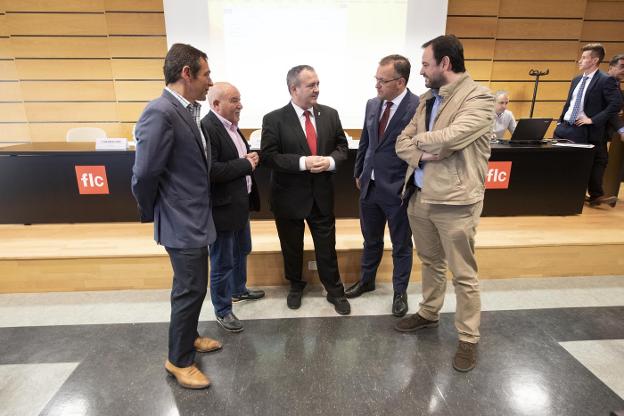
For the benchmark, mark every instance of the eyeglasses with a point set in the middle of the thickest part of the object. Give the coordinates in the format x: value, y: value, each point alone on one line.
x: 385, y: 81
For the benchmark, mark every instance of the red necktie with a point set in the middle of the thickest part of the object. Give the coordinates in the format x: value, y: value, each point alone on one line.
x: 310, y: 132
x: 384, y: 120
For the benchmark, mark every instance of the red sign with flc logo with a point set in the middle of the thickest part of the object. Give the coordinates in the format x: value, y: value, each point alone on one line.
x: 498, y: 175
x: 91, y: 180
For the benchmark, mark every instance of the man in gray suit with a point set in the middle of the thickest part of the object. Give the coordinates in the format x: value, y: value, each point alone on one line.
x: 171, y: 183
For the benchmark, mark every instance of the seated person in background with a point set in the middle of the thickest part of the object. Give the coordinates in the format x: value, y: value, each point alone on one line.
x: 504, y: 119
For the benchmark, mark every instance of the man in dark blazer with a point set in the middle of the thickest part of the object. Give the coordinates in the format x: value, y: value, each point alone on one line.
x: 303, y: 143
x: 234, y: 194
x: 592, y: 100
x: 380, y: 174
x: 171, y: 183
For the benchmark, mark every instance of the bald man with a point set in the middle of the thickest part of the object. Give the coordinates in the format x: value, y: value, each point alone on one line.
x: 234, y: 194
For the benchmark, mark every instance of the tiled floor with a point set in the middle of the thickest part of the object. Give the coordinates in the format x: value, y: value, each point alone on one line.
x: 549, y: 347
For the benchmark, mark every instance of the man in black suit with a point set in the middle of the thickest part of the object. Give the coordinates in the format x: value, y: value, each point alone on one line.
x: 592, y: 100
x: 171, y: 183
x: 234, y: 194
x: 380, y: 174
x: 303, y: 143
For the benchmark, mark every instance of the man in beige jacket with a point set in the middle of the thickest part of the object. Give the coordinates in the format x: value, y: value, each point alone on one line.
x: 446, y: 146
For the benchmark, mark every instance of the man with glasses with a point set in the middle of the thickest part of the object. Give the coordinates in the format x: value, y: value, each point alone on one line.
x: 379, y: 175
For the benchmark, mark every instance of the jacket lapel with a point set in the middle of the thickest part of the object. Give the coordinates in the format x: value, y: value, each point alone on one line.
x: 295, y: 126
x: 591, y: 85
x: 188, y: 119
x: 225, y: 136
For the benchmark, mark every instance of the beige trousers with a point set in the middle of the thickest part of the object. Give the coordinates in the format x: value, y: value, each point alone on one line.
x: 444, y: 234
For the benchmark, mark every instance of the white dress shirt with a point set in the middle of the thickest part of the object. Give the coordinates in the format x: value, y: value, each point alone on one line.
x: 568, y: 113
x: 302, y: 119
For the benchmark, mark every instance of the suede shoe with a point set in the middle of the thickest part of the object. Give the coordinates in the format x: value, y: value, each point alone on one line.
x: 414, y: 323
x: 230, y: 323
x: 188, y: 377
x: 399, y: 304
x: 359, y: 288
x: 205, y: 344
x: 293, y: 300
x: 609, y: 200
x: 251, y: 294
x: 341, y: 304
x: 465, y: 357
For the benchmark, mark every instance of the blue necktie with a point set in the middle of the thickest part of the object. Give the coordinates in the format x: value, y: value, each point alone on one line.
x: 577, y: 103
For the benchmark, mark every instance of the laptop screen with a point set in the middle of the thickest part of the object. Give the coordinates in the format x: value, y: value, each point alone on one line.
x: 531, y: 129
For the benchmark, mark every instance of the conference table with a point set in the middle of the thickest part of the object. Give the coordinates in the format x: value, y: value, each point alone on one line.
x: 60, y: 182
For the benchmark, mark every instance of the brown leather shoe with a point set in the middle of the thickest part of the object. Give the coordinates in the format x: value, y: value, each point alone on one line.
x: 205, y: 344
x: 414, y: 323
x: 188, y: 377
x: 465, y: 357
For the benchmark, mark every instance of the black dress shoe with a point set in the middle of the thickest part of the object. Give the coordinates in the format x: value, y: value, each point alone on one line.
x: 399, y: 304
x: 341, y: 304
x: 293, y: 300
x: 230, y: 323
x: 249, y: 295
x: 359, y: 288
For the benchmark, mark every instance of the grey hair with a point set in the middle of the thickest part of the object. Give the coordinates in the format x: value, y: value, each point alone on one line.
x: 216, y: 92
x: 292, y: 77
x: 501, y: 92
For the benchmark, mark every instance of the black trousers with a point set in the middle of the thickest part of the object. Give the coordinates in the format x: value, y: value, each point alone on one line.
x: 323, y: 230
x: 190, y: 284
x: 579, y: 134
x: 601, y: 157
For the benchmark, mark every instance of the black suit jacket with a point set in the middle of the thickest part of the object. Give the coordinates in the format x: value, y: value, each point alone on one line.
x: 602, y: 101
x: 382, y: 157
x: 231, y: 202
x: 293, y: 192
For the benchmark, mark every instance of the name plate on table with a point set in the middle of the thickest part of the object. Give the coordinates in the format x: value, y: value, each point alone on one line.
x: 111, y: 143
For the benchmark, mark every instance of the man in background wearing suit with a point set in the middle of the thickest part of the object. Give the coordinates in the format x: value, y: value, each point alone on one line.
x: 303, y: 143
x: 379, y: 175
x: 171, y: 183
x: 234, y: 194
x: 592, y: 100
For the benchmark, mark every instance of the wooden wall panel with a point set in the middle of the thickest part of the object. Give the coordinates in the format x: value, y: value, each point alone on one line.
x: 134, y: 5
x: 54, y: 5
x: 64, y: 69
x: 138, y: 69
x: 517, y: 71
x: 5, y: 48
x: 138, y: 46
x: 13, y: 112
x: 54, y: 132
x: 14, y: 132
x: 60, y: 47
x: 478, y: 48
x: 472, y: 7
x: 479, y: 70
x: 602, y: 31
x: 541, y: 8
x: 523, y: 91
x: 68, y: 90
x: 69, y: 112
x: 471, y: 27
x: 129, y: 112
x: 4, y: 31
x: 604, y: 10
x: 528, y: 50
x: 138, y: 90
x: 8, y: 70
x: 135, y: 23
x: 10, y: 91
x: 521, y: 109
x: 81, y: 24
x: 557, y: 29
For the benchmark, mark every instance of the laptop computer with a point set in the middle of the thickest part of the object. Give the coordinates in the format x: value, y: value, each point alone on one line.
x: 530, y: 130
